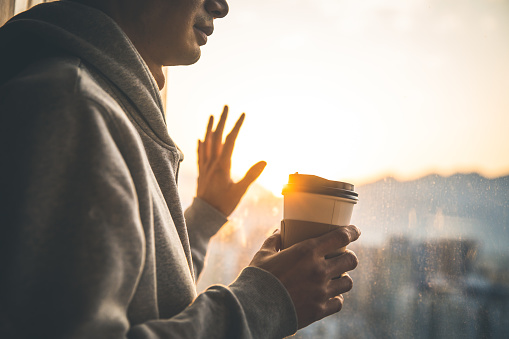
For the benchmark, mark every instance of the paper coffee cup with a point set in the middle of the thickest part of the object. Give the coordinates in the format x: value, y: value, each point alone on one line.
x: 314, y: 206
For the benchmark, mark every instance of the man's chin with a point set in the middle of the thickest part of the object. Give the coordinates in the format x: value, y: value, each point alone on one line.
x: 196, y: 58
x: 187, y: 59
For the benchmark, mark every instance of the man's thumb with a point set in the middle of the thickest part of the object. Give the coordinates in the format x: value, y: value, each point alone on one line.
x: 272, y: 243
x: 252, y: 174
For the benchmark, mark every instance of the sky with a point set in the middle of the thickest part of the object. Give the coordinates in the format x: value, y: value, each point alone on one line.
x: 352, y: 90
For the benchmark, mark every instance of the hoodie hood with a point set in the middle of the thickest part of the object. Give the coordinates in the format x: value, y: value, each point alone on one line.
x: 95, y: 38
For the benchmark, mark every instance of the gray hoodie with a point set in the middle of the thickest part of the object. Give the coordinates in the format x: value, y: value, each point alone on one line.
x: 94, y: 240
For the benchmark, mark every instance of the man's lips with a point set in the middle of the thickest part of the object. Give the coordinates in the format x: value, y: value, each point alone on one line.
x: 203, y: 32
x: 206, y: 29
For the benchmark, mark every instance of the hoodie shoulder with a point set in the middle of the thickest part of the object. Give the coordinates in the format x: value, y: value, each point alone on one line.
x: 50, y: 78
x: 49, y: 83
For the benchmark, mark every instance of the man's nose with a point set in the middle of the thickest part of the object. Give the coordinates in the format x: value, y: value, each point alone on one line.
x: 218, y: 8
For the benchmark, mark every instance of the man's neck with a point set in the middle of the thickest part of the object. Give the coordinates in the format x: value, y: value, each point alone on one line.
x: 156, y: 69
x: 157, y: 73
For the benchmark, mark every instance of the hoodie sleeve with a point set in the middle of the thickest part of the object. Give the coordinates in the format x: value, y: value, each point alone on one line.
x: 73, y: 239
x: 203, y: 221
x: 254, y: 306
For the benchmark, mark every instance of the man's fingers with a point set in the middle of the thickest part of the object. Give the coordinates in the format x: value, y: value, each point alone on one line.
x: 339, y: 286
x: 345, y: 262
x: 217, y: 136
x: 222, y: 121
x: 334, y: 305
x: 201, y: 156
x: 207, y: 144
x: 251, y: 175
x: 229, y: 143
x: 336, y: 239
x: 209, y: 128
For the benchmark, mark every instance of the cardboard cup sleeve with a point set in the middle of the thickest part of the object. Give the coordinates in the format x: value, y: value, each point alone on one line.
x: 295, y: 231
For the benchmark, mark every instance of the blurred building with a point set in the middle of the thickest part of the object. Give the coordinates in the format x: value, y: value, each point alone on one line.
x: 404, y: 288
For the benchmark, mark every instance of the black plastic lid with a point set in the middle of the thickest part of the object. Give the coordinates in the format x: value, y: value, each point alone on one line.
x: 317, y: 185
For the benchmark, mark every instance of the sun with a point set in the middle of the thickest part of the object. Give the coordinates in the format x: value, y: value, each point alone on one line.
x: 309, y: 132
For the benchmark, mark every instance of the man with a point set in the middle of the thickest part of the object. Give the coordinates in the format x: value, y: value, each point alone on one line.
x: 94, y: 240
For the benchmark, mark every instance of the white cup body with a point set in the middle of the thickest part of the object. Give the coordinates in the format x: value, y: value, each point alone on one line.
x: 318, y: 208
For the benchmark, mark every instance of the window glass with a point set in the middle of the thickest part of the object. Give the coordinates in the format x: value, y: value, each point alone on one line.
x: 408, y: 101
x: 10, y: 8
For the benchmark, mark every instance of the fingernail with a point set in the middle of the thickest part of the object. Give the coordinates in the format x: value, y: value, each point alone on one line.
x: 357, y: 232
